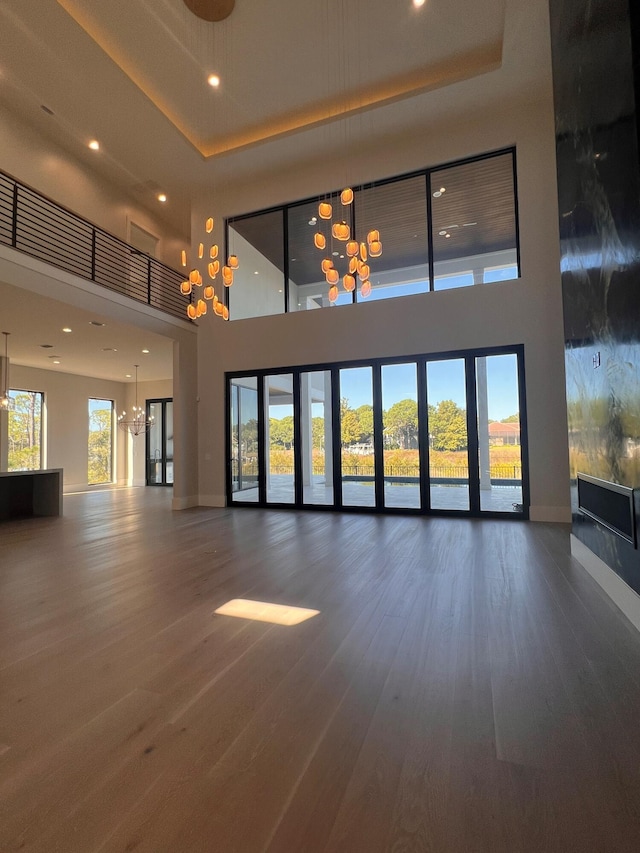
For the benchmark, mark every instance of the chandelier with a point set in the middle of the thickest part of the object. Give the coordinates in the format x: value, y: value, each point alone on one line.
x: 138, y: 423
x: 196, y: 279
x: 357, y: 252
x: 5, y: 401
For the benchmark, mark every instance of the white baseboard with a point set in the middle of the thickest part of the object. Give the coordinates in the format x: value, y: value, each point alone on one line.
x: 554, y: 514
x: 213, y: 500
x: 620, y: 592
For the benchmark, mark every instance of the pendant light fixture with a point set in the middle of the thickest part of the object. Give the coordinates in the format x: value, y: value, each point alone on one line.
x: 138, y: 423
x: 5, y: 400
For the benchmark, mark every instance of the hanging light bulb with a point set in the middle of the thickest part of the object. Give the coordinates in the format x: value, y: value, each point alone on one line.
x: 373, y: 235
x: 227, y: 276
x: 333, y: 276
x: 199, y: 279
x: 185, y: 288
x: 353, y: 265
x: 200, y: 250
x: 233, y: 262
x: 326, y: 265
x: 193, y: 276
x: 225, y: 312
x: 219, y: 308
x: 191, y: 311
x: 352, y: 248
x: 209, y: 225
x: 341, y: 231
x: 325, y: 210
x: 365, y: 289
x: 319, y: 240
x: 201, y: 307
x: 363, y: 271
x: 333, y: 293
x: 349, y: 283
x: 375, y: 248
x: 208, y: 292
x: 183, y: 258
x: 213, y: 252
x: 5, y: 401
x: 363, y: 252
x: 346, y: 196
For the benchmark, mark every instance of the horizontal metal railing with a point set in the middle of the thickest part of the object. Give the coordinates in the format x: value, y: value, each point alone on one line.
x: 37, y: 226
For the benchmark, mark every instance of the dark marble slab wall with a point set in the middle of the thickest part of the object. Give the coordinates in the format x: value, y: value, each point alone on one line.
x: 596, y: 78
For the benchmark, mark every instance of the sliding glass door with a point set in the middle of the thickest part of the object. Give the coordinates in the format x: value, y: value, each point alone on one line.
x: 441, y: 434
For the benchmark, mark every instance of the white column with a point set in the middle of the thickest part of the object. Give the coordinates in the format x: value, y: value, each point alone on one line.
x: 328, y: 434
x: 483, y: 424
x: 306, y: 433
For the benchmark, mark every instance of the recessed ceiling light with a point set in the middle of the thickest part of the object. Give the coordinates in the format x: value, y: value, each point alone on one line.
x: 162, y: 197
x: 255, y: 272
x: 145, y: 351
x: 447, y: 236
x: 67, y: 330
x: 56, y: 361
x: 443, y: 189
x: 213, y: 80
x: 96, y: 323
x: 437, y: 194
x: 280, y: 291
x: 128, y: 375
x: 94, y: 145
x: 418, y: 3
x: 335, y: 254
x: 442, y: 233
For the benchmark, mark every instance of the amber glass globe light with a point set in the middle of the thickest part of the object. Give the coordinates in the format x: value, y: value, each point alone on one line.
x: 353, y: 265
x: 325, y: 210
x: 326, y: 265
x: 200, y: 250
x: 227, y: 276
x: 193, y: 276
x: 319, y: 240
x: 333, y: 293
x: 219, y: 308
x: 225, y: 312
x: 208, y: 292
x: 333, y: 276
x: 191, y: 311
x: 341, y: 231
x: 349, y: 283
x: 375, y: 248
x: 346, y: 196
x: 185, y: 288
x: 373, y: 235
x: 233, y: 262
x: 363, y: 252
x: 365, y: 289
x: 352, y: 248
x: 209, y: 225
x: 183, y: 258
x: 364, y: 272
x: 213, y: 252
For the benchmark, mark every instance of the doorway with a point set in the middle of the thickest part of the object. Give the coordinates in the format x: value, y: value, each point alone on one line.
x: 159, y: 443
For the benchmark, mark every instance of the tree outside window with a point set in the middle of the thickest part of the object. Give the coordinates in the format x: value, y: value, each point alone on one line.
x: 25, y: 431
x: 100, y: 441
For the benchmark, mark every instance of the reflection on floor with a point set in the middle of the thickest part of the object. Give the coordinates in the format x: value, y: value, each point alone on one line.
x: 400, y: 496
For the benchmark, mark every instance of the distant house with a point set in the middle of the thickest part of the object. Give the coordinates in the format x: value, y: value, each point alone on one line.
x: 504, y: 433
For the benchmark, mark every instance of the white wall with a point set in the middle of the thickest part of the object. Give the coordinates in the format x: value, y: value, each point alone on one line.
x: 66, y: 419
x: 46, y: 168
x: 527, y: 311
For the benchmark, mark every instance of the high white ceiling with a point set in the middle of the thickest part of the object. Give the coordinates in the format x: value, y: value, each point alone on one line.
x: 296, y: 78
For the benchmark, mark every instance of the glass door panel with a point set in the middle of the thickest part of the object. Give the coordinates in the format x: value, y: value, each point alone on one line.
x: 356, y: 437
x: 448, y: 441
x: 401, y: 454
x: 316, y: 437
x: 154, y: 445
x: 279, y: 438
x: 244, y: 439
x: 168, y: 442
x: 499, y: 446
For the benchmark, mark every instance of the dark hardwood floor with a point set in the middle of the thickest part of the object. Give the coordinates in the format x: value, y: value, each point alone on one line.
x: 466, y: 687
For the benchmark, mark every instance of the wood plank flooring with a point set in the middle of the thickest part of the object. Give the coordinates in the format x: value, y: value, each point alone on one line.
x: 466, y: 687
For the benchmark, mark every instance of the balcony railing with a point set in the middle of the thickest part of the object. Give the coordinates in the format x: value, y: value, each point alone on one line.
x: 37, y: 226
